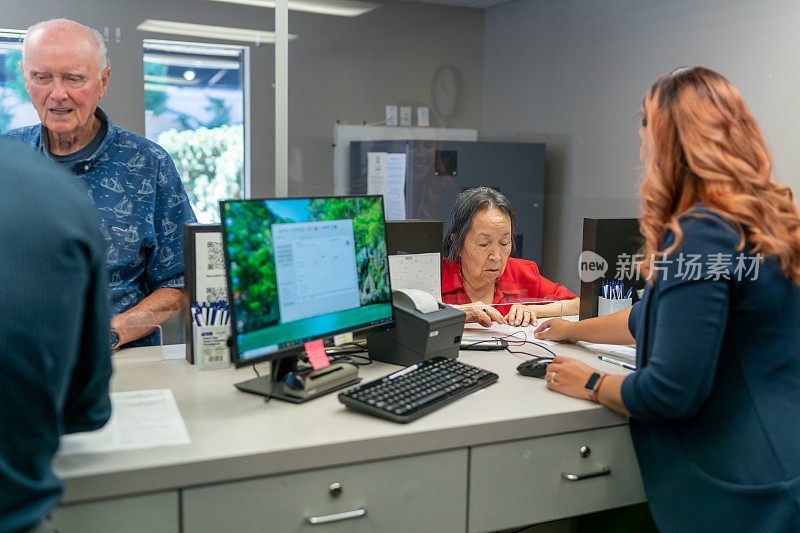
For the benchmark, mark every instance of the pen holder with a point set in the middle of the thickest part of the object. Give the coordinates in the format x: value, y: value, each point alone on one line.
x: 211, y: 346
x: 607, y: 306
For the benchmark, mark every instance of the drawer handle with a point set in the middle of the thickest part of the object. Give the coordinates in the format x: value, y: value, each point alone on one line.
x: 336, y: 517
x: 578, y: 477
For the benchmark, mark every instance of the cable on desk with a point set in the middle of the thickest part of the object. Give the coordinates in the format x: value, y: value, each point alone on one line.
x: 512, y: 338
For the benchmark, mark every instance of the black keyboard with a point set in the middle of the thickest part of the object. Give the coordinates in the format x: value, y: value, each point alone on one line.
x: 418, y: 389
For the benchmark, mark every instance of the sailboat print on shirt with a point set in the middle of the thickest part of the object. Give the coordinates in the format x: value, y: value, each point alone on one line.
x: 176, y: 199
x: 112, y: 184
x: 146, y: 188
x: 112, y: 256
x: 169, y: 226
x: 165, y: 256
x: 124, y: 207
x: 136, y: 162
x: 132, y: 234
x: 116, y: 279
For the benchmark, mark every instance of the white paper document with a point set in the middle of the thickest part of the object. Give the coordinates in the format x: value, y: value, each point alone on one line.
x: 417, y: 271
x: 626, y: 352
x: 139, y: 419
x: 386, y: 175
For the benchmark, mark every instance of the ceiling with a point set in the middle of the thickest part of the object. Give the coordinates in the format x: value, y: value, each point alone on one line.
x: 465, y: 3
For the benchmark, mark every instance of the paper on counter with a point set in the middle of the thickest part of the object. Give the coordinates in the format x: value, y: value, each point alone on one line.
x: 423, y: 301
x: 622, y: 351
x: 139, y: 419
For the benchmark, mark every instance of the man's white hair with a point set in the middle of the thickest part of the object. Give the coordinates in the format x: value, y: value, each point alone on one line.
x: 100, y: 44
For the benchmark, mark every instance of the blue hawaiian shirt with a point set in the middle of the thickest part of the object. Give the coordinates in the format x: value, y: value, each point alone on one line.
x: 142, y: 207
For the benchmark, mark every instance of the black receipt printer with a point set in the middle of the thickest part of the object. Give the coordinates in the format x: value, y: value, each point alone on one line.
x: 424, y: 328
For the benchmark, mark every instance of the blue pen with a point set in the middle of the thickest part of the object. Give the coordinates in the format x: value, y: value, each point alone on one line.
x: 615, y: 362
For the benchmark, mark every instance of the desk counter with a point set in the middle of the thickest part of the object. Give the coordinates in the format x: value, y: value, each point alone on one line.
x: 236, y: 437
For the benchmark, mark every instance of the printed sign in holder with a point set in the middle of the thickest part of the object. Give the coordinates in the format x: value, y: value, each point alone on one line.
x: 204, y: 266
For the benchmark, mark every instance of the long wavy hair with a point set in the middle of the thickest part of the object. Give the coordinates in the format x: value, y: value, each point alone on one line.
x: 702, y: 144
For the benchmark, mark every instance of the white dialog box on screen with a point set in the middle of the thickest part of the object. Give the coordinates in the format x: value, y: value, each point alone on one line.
x: 315, y: 264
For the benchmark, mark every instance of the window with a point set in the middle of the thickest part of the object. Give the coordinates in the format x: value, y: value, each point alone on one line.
x: 15, y: 106
x: 195, y: 109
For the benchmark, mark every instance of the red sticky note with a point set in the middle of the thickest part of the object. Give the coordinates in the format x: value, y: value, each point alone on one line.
x: 315, y: 350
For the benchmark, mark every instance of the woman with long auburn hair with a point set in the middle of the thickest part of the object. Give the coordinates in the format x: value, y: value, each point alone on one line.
x: 715, y: 400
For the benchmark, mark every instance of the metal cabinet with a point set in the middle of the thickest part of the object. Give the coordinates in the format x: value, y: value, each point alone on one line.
x: 154, y: 513
x: 537, y: 480
x: 421, y: 493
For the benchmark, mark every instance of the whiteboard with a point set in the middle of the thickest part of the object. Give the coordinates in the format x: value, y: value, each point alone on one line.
x: 343, y: 134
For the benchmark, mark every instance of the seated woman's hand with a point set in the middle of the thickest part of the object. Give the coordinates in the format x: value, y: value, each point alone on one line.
x: 556, y: 329
x: 482, y: 313
x: 521, y: 315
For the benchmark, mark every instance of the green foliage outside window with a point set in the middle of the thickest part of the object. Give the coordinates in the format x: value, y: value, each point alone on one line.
x: 12, y: 83
x: 210, y: 163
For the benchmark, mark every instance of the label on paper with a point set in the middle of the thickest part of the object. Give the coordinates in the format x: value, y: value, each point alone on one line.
x: 209, y: 268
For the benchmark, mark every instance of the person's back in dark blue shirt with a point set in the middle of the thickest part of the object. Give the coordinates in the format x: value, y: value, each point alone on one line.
x: 55, y: 363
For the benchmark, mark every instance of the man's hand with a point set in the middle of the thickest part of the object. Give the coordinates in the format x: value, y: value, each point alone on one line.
x: 482, y: 313
x: 521, y: 315
x: 140, y: 320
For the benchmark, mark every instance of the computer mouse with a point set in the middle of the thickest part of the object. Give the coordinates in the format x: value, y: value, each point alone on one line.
x: 535, y: 368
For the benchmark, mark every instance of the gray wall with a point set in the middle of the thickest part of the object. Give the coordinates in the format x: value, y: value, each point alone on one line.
x: 572, y: 73
x: 340, y: 68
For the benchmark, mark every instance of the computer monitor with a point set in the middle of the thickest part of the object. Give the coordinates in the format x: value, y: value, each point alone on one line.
x: 414, y: 236
x: 299, y: 270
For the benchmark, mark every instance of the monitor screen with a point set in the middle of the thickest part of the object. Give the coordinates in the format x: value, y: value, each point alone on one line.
x: 301, y: 269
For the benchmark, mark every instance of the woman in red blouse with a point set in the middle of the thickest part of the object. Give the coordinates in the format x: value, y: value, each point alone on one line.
x: 480, y: 278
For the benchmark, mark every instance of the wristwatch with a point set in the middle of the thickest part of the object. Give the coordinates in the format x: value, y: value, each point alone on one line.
x: 593, y: 384
x: 114, y: 340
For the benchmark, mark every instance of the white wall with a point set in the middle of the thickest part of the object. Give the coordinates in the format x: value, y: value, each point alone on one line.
x: 572, y: 73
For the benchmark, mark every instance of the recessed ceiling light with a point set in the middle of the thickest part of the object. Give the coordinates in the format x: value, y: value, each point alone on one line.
x: 339, y: 8
x: 209, y: 32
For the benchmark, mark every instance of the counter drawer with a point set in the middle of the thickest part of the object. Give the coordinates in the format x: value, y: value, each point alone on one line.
x: 538, y: 480
x: 154, y: 513
x: 422, y: 493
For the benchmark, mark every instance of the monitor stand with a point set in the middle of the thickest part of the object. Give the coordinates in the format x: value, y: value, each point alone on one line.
x: 326, y: 380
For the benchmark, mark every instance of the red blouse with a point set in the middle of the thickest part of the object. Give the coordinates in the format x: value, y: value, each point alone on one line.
x: 519, y: 282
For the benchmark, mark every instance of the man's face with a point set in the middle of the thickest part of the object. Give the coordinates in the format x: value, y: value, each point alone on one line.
x: 63, y: 79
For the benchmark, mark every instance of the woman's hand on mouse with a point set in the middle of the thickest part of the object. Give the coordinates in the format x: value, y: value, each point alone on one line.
x: 482, y: 313
x: 568, y: 376
x: 521, y: 315
x: 556, y: 329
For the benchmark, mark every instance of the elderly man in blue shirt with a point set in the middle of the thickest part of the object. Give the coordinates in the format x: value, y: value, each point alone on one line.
x: 136, y: 190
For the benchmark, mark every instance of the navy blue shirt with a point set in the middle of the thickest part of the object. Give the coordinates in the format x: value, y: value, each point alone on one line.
x: 142, y: 207
x: 715, y: 403
x: 54, y: 353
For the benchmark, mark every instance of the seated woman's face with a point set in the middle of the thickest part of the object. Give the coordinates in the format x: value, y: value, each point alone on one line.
x: 486, y: 247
